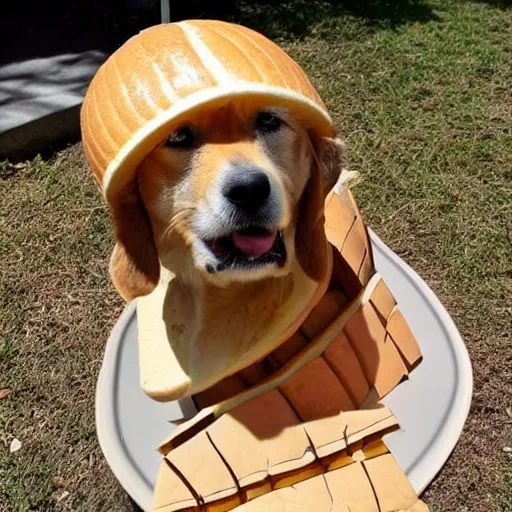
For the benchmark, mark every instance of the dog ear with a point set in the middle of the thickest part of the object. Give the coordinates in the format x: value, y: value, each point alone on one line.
x: 134, y: 265
x: 310, y: 240
x: 330, y: 154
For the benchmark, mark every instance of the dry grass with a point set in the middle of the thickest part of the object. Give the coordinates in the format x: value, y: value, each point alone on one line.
x: 422, y: 96
x: 57, y: 307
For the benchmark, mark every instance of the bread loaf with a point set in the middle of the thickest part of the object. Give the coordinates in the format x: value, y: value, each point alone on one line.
x: 166, y: 72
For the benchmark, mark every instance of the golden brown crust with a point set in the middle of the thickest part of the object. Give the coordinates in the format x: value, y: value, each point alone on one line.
x: 262, y: 446
x: 166, y: 72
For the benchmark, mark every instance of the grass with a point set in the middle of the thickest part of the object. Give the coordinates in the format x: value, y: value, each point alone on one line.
x: 420, y: 90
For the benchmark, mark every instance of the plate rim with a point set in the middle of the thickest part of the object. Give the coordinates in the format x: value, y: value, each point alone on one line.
x: 122, y: 466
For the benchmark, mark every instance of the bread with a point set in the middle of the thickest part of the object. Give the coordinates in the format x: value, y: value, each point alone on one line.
x: 164, y: 378
x: 168, y: 71
x: 360, y: 354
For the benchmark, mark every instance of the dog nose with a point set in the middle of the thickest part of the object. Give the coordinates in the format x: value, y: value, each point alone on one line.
x: 248, y: 190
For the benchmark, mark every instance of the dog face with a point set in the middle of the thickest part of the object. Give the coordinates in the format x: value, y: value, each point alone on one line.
x: 227, y: 186
x: 229, y: 193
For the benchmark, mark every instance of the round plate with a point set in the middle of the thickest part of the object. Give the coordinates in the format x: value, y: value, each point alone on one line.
x: 431, y: 406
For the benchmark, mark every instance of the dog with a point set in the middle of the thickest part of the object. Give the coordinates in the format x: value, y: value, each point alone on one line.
x: 228, y: 204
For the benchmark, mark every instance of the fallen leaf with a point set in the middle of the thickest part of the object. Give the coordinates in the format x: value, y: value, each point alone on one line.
x: 509, y: 412
x: 428, y: 106
x: 15, y: 445
x: 59, y: 481
x: 507, y: 449
x: 4, y: 393
x: 63, y: 496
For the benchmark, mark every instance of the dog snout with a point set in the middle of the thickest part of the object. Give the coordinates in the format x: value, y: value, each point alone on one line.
x: 247, y: 188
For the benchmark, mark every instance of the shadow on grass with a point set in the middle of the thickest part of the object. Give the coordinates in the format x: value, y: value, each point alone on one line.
x: 57, y: 27
x: 294, y: 19
x: 500, y: 4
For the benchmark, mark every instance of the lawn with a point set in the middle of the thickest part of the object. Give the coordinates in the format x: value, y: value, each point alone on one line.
x: 421, y: 93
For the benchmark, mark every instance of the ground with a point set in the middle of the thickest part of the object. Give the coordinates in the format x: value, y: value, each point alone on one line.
x: 421, y: 92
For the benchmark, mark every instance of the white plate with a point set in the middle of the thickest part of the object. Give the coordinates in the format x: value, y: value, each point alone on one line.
x: 431, y: 406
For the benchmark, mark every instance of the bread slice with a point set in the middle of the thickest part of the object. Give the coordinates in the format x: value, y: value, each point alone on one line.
x: 173, y: 366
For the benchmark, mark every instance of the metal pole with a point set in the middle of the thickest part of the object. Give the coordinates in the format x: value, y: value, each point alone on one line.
x: 165, y: 11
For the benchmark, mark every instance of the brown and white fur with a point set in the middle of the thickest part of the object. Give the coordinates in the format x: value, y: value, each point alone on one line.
x: 178, y: 204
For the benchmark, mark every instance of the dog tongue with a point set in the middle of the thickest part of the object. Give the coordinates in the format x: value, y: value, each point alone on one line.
x: 254, y: 246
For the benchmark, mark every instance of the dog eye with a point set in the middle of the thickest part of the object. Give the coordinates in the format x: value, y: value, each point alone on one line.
x: 267, y: 122
x: 180, y: 138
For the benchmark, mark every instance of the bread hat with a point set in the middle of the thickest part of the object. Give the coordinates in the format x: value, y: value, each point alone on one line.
x: 167, y: 72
